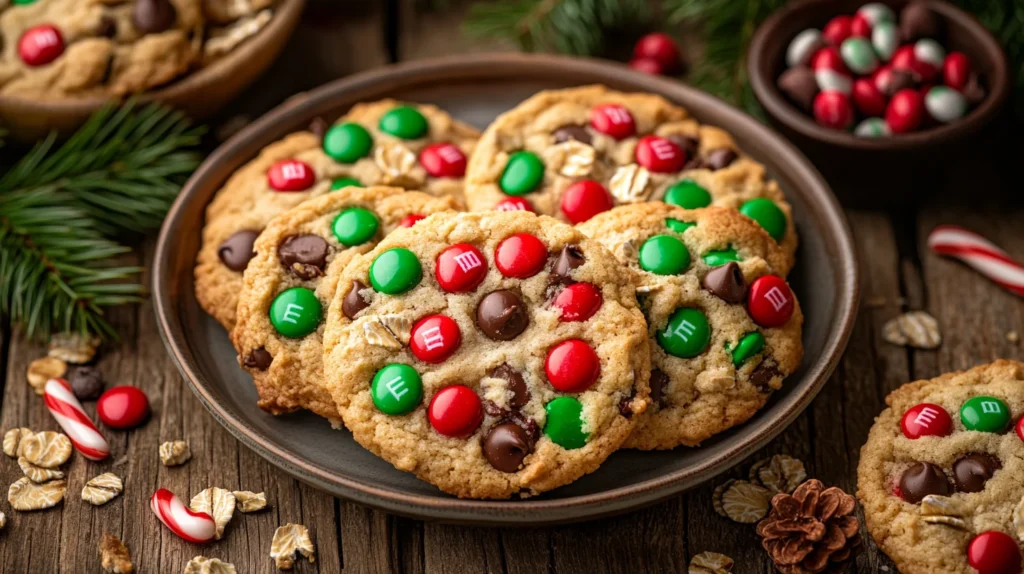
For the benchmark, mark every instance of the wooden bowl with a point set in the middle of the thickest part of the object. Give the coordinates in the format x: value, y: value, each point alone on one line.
x: 865, y: 163
x: 199, y: 94
x: 475, y: 89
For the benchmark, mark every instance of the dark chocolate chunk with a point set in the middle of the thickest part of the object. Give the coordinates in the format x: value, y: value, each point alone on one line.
x: 153, y: 16
x: 726, y: 282
x: 236, y: 251
x: 318, y: 126
x: 972, y: 471
x: 506, y: 445
x: 922, y: 479
x: 258, y: 359
x: 304, y: 255
x: 659, y: 380
x: 572, y: 132
x: 720, y: 158
x: 799, y: 85
x: 763, y: 375
x: 353, y: 302
x: 502, y: 316
x: 86, y: 382
x: 689, y: 144
x: 516, y: 384
x: 108, y: 27
x: 569, y: 258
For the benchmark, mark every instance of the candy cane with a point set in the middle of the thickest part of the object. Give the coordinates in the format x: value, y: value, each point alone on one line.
x: 72, y: 418
x: 195, y: 527
x: 980, y: 253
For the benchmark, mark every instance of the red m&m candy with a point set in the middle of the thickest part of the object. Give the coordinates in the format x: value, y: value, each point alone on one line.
x: 838, y: 29
x: 521, y: 255
x: 1020, y: 428
x: 572, y: 366
x: 434, y: 338
x: 443, y: 160
x: 123, y: 407
x: 994, y: 552
x: 585, y: 199
x: 833, y: 109
x: 411, y: 219
x: 860, y: 26
x: 578, y: 302
x: 659, y: 155
x: 40, y: 45
x: 926, y: 419
x: 460, y: 268
x: 291, y: 175
x: 513, y: 204
x: 905, y: 111
x: 613, y: 120
x: 455, y: 411
x: 956, y: 70
x: 868, y: 99
x: 770, y: 302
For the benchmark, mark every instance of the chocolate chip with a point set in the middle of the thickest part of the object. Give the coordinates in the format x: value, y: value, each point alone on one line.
x: 304, y: 255
x: 108, y: 27
x: 917, y: 21
x: 726, y: 282
x: 972, y: 471
x: 689, y: 144
x: 572, y: 132
x: 763, y: 375
x: 318, y: 126
x: 258, y: 359
x: 86, y: 382
x: 569, y: 258
x: 236, y: 251
x: 516, y: 384
x: 974, y: 91
x: 353, y: 302
x: 720, y: 158
x: 922, y: 479
x: 501, y: 315
x: 800, y: 86
x: 898, y: 80
x: 506, y: 445
x: 659, y: 380
x: 153, y: 16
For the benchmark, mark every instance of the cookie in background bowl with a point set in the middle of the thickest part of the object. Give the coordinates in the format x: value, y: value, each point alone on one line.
x: 724, y: 327
x: 491, y: 354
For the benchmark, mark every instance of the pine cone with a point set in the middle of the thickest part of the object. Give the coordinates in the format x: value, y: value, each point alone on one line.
x: 812, y: 530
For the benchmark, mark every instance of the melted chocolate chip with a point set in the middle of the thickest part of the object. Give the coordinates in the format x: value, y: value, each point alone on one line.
x: 659, y: 380
x: 689, y: 144
x: 86, y: 382
x: 972, y: 471
x: 153, y: 16
x: 569, y: 258
x: 501, y: 315
x: 318, y: 127
x: 506, y: 445
x: 108, y: 27
x: 763, y: 375
x: 236, y: 251
x: 258, y: 359
x: 922, y: 479
x: 516, y: 384
x: 304, y: 255
x: 720, y: 158
x: 726, y: 282
x: 353, y: 302
x: 572, y: 132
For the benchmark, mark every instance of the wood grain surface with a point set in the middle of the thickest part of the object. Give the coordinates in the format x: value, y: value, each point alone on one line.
x: 340, y: 38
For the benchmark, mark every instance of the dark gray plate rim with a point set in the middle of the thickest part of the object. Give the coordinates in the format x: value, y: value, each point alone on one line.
x: 480, y: 67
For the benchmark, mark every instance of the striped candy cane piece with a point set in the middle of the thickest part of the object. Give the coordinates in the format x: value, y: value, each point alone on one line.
x: 195, y: 527
x: 980, y: 253
x: 72, y: 418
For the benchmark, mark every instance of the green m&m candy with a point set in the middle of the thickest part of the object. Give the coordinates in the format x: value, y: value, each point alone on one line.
x: 688, y: 194
x: 564, y: 424
x: 749, y: 346
x: 295, y: 312
x: 678, y: 226
x: 355, y: 226
x: 664, y: 255
x: 523, y: 173
x: 404, y: 122
x: 396, y: 389
x: 395, y: 271
x: 345, y: 182
x: 985, y: 414
x: 767, y: 215
x: 686, y: 335
x: 717, y: 258
x: 348, y: 142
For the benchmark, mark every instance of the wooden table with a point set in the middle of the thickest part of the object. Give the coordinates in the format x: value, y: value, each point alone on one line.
x: 898, y: 273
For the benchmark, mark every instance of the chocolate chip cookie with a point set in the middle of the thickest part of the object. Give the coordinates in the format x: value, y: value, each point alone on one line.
x: 724, y: 327
x: 491, y: 354
x: 577, y: 152
x: 54, y: 49
x: 292, y: 279
x: 374, y: 144
x: 940, y: 474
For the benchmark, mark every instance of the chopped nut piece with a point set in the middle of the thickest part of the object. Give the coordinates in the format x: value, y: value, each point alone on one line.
x: 288, y: 540
x: 936, y: 505
x: 947, y: 520
x: 218, y: 503
x: 73, y: 348
x: 102, y: 489
x: 42, y: 370
x: 745, y: 502
x: 114, y: 555
x: 175, y: 453
x: 249, y: 501
x: 710, y: 563
x: 204, y: 565
x: 916, y: 329
x: 13, y: 439
x: 38, y: 473
x: 47, y: 449
x: 27, y: 495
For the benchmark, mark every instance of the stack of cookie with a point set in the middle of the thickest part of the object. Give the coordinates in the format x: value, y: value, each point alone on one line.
x: 643, y: 303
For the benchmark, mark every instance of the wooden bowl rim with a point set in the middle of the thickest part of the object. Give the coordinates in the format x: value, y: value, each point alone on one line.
x: 763, y: 84
x: 821, y: 206
x: 285, y: 15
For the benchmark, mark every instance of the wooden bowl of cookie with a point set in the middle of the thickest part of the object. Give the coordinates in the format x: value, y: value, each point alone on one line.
x: 63, y: 60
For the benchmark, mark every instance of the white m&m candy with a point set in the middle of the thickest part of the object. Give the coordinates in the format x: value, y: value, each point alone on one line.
x: 872, y: 128
x: 885, y: 38
x: 945, y: 104
x: 803, y: 47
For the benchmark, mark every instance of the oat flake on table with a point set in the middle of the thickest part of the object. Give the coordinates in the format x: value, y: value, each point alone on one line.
x: 114, y: 556
x: 204, y: 565
x: 102, y: 489
x: 175, y: 453
x: 38, y: 474
x: 13, y: 439
x: 288, y: 540
x: 248, y: 501
x: 47, y: 449
x: 26, y: 495
x: 916, y: 329
x: 710, y: 563
x: 218, y: 503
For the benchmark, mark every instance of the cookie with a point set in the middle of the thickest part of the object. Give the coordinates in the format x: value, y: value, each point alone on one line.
x: 940, y: 474
x: 724, y: 327
x: 291, y: 281
x: 576, y: 152
x: 491, y: 354
x: 54, y: 49
x: 305, y: 165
